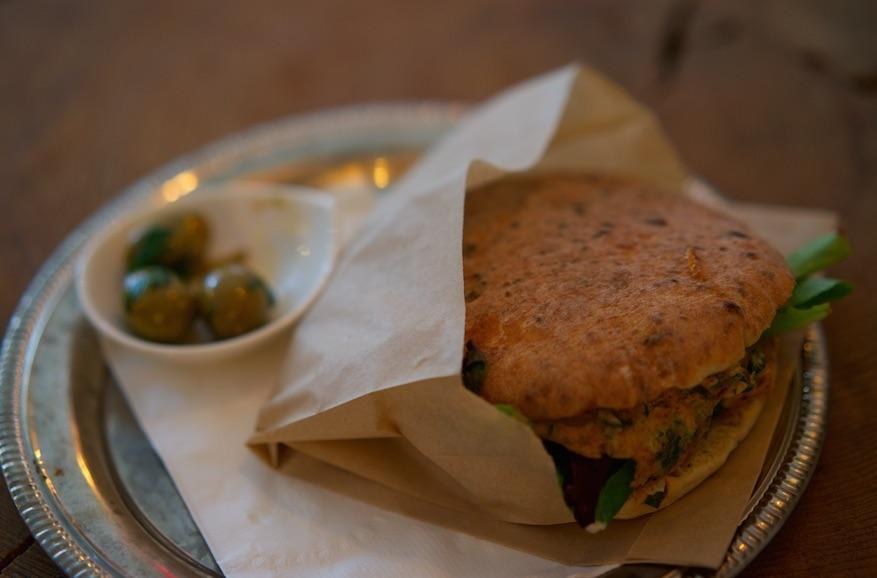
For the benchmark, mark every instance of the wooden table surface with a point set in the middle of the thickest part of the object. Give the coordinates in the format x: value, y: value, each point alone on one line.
x: 773, y: 101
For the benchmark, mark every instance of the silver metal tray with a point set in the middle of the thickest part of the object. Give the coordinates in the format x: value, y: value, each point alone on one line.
x: 87, y: 483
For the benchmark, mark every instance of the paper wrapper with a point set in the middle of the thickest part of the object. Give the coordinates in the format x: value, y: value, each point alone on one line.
x: 372, y: 380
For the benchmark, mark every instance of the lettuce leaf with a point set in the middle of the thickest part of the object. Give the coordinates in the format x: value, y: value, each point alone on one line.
x: 789, y: 318
x: 818, y: 290
x: 615, y: 492
x: 819, y: 254
x: 474, y: 368
x: 512, y: 412
x: 812, y: 295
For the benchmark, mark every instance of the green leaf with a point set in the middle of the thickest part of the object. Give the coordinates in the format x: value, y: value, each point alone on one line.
x: 790, y: 318
x: 817, y: 290
x: 512, y: 412
x: 819, y: 254
x: 811, y: 297
x: 474, y: 368
x: 615, y: 492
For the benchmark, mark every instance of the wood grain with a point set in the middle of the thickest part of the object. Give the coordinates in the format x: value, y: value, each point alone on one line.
x: 773, y: 101
x: 31, y: 563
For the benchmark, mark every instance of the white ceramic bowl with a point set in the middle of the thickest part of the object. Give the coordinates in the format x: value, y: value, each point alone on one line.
x: 288, y: 234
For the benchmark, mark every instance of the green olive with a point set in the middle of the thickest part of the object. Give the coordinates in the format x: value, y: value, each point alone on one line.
x: 179, y: 244
x: 234, y: 301
x: 158, y: 305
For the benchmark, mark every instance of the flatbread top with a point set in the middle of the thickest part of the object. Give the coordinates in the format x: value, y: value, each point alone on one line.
x: 586, y: 292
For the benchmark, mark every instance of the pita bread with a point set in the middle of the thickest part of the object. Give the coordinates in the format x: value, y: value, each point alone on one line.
x: 587, y: 292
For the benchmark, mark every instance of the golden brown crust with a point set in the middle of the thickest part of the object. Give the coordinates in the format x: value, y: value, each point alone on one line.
x: 586, y: 292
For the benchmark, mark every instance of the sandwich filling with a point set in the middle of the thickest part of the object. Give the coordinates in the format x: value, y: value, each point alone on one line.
x: 651, y: 440
x: 660, y: 433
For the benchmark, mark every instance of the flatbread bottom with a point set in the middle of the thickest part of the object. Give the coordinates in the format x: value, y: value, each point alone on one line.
x: 726, y: 431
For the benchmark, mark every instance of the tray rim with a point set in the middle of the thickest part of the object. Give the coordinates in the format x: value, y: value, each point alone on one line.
x: 73, y: 553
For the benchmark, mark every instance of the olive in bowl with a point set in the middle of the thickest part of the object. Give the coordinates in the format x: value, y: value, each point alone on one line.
x: 234, y: 300
x: 179, y: 244
x: 158, y: 305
